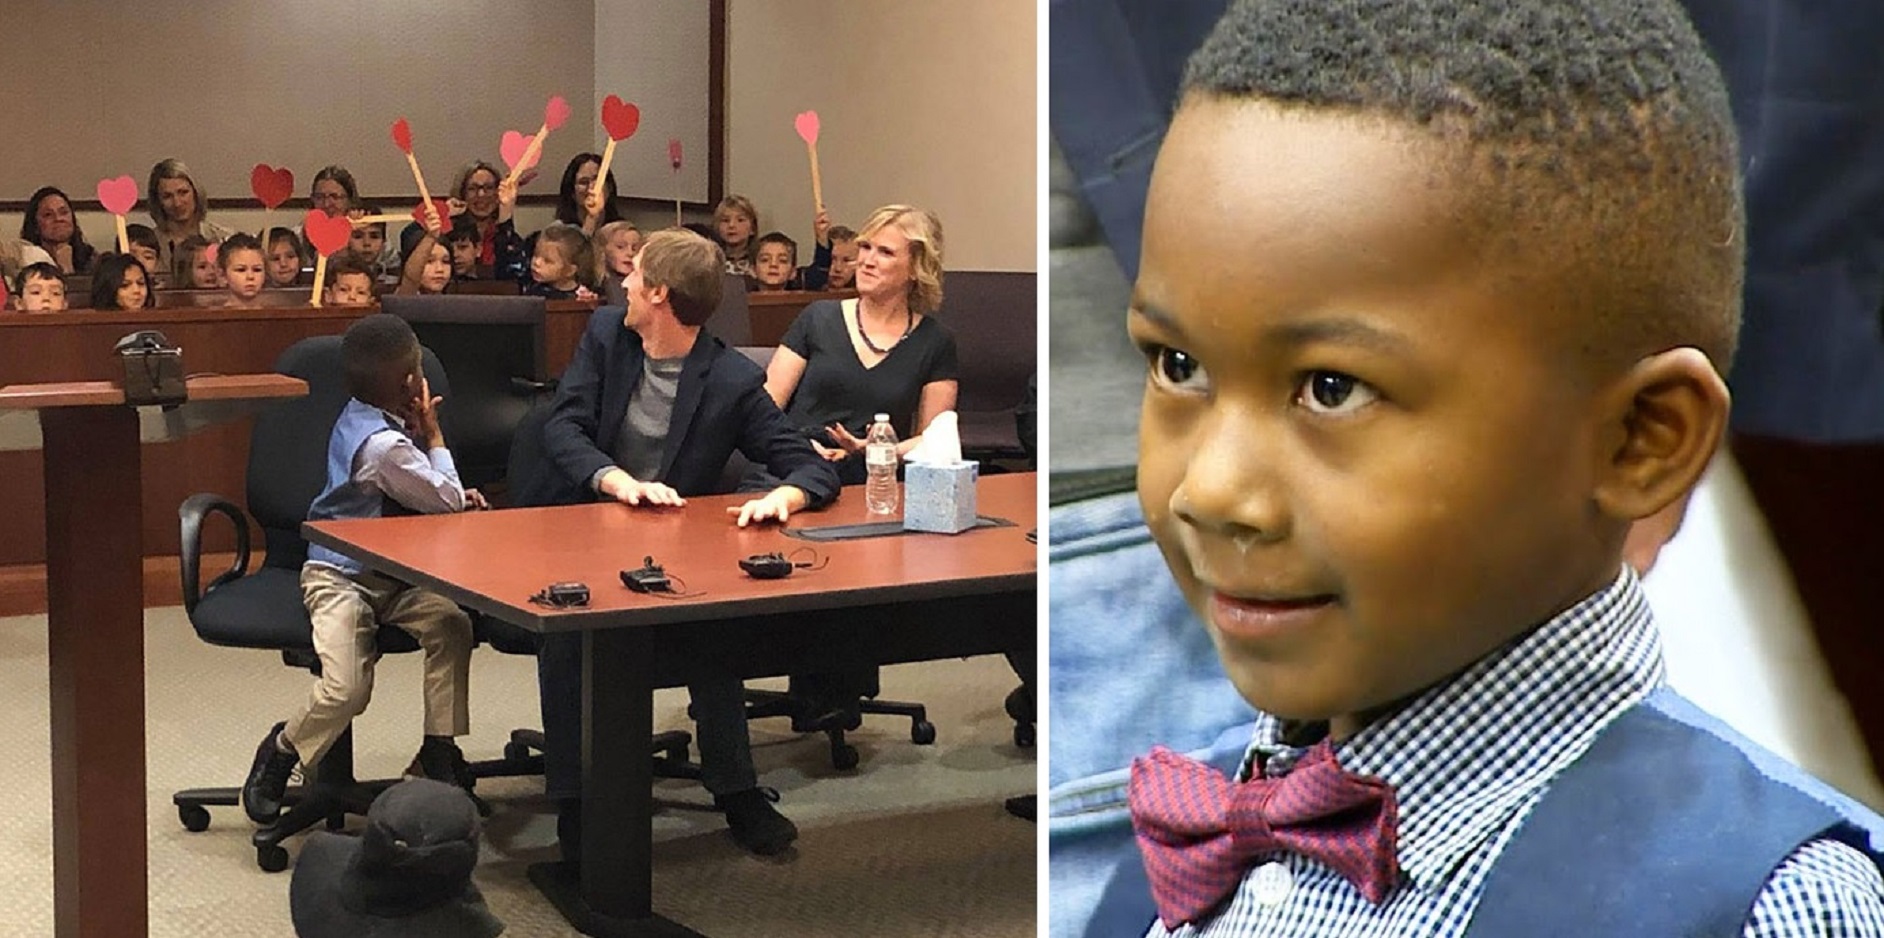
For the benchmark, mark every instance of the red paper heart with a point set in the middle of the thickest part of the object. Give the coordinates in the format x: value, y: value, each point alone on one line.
x: 444, y: 213
x: 807, y: 124
x: 673, y: 152
x: 273, y: 186
x: 513, y: 146
x: 118, y: 195
x: 619, y: 118
x: 209, y: 253
x: 326, y: 233
x: 555, y: 112
x: 402, y: 135
x: 3, y: 293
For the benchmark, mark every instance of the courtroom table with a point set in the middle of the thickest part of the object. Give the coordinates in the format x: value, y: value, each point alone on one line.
x: 91, y: 445
x: 881, y: 600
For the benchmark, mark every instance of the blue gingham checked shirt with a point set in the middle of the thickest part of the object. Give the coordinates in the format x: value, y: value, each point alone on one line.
x: 1470, y: 758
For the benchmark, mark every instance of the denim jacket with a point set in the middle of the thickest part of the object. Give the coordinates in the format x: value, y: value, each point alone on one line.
x: 1121, y: 634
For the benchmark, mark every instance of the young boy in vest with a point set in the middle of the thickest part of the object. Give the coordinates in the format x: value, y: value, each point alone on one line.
x: 1480, y: 278
x: 386, y: 456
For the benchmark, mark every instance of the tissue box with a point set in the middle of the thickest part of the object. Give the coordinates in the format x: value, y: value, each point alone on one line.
x: 939, y: 497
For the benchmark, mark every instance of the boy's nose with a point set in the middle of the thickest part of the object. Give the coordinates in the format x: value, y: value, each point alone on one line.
x: 1230, y: 487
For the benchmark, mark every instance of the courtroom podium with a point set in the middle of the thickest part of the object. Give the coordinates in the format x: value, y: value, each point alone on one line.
x: 91, y: 445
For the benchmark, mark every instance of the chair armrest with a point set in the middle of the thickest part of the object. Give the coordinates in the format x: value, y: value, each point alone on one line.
x: 193, y: 512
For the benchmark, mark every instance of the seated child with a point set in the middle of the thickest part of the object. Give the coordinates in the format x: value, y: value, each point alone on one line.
x: 615, y: 246
x: 386, y: 455
x: 834, y: 262
x: 349, y: 282
x: 368, y: 243
x: 426, y: 266
x: 462, y: 241
x: 244, y: 268
x: 144, y: 247
x: 735, y: 222
x: 286, y: 257
x: 1488, y: 283
x: 41, y: 288
x: 196, y: 266
x: 562, y: 261
x: 119, y: 281
x: 775, y: 267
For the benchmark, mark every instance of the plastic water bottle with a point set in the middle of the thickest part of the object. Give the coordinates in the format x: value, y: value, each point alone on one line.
x: 880, y: 492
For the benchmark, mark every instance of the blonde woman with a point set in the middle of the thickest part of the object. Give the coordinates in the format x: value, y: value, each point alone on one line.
x: 842, y: 362
x: 179, y: 210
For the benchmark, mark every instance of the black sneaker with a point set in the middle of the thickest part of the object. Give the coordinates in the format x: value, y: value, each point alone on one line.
x: 1021, y: 806
x: 268, y: 778
x: 441, y: 760
x: 756, y: 825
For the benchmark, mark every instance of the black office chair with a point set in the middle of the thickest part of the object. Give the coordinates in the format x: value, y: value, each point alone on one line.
x: 523, y: 753
x: 492, y: 349
x: 263, y: 609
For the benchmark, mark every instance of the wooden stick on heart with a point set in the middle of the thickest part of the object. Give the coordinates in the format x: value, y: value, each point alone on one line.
x: 807, y: 125
x: 402, y: 137
x: 554, y: 113
x: 119, y: 196
x: 673, y: 159
x: 620, y: 119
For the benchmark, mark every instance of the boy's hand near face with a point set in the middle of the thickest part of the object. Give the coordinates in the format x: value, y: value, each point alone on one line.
x: 422, y: 417
x: 821, y: 228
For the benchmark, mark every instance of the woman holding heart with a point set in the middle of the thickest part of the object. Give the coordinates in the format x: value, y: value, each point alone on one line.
x: 49, y: 223
x: 178, y: 209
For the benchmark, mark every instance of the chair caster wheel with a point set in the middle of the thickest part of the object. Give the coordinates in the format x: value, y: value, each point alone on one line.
x: 195, y: 818
x: 922, y: 732
x: 516, y: 752
x: 844, y: 756
x: 271, y: 858
x: 1024, y: 735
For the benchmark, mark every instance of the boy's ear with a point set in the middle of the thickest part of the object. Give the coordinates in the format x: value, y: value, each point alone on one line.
x: 1662, y: 422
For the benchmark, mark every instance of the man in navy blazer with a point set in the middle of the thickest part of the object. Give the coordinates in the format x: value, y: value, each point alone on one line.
x: 648, y: 412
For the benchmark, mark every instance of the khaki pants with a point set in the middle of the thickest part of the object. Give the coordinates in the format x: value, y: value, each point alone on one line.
x: 347, y: 612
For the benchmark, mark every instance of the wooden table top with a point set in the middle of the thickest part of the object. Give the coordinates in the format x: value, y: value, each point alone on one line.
x: 111, y: 393
x: 493, y: 561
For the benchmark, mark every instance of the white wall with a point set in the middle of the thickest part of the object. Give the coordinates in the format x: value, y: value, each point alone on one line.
x: 653, y: 54
x: 931, y: 104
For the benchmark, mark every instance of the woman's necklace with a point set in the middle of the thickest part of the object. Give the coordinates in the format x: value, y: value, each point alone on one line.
x: 909, y: 325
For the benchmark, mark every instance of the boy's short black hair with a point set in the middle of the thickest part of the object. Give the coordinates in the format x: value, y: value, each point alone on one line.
x: 39, y: 270
x: 344, y: 262
x: 240, y: 241
x: 776, y: 237
x: 463, y: 232
x: 142, y: 236
x: 1595, y: 135
x: 379, y: 352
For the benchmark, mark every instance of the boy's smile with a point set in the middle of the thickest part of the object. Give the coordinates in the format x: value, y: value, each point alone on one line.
x: 1362, y: 451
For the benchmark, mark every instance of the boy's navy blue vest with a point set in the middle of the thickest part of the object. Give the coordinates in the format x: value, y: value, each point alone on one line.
x: 342, y: 498
x: 1670, y: 824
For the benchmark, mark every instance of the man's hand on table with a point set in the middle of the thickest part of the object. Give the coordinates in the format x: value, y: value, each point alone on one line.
x: 776, y: 505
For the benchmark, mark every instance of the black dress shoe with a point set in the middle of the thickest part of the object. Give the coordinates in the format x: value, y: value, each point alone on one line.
x: 755, y: 824
x: 268, y: 778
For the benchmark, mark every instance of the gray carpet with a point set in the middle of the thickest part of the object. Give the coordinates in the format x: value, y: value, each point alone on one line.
x: 914, y: 842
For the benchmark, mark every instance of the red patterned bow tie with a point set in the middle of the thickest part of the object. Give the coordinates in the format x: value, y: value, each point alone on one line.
x: 1198, y: 830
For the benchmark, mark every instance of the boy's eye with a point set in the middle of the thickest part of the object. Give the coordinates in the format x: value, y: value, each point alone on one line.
x: 1334, y: 393
x: 1177, y: 369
